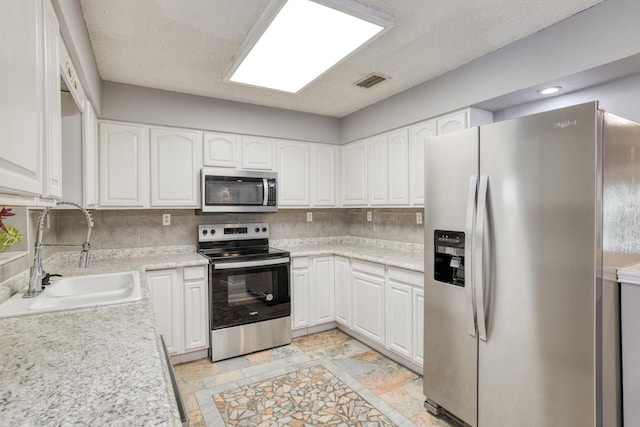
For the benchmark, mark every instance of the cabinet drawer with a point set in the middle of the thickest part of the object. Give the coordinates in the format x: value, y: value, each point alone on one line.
x: 368, y: 267
x: 194, y: 273
x: 300, y: 262
x: 406, y: 276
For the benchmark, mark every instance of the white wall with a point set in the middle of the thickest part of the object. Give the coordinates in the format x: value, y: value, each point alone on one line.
x: 135, y: 103
x: 619, y: 97
x: 600, y: 35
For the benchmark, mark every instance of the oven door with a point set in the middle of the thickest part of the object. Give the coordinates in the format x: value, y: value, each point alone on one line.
x: 249, y: 291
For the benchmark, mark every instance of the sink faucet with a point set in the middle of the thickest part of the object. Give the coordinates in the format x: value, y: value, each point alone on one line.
x: 36, y: 273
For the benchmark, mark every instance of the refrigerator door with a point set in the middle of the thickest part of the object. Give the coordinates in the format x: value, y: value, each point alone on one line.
x: 537, y: 366
x: 450, y: 350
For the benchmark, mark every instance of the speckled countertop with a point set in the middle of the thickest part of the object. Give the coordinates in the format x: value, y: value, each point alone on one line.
x: 409, y: 256
x: 105, y: 365
x: 93, y: 366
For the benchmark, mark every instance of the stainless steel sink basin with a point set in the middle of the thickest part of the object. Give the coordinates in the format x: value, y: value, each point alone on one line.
x: 77, y: 292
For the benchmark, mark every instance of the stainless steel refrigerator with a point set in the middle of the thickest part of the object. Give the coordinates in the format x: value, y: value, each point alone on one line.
x: 513, y: 259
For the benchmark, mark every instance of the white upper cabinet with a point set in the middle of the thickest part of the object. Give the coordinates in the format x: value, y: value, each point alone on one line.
x: 418, y: 137
x: 378, y: 170
x: 21, y: 98
x: 293, y: 173
x: 90, y: 157
x: 257, y: 153
x: 175, y: 167
x: 52, y: 185
x: 354, y: 174
x: 222, y: 150
x: 323, y: 175
x: 463, y: 119
x: 453, y: 122
x: 124, y: 173
x: 398, y: 163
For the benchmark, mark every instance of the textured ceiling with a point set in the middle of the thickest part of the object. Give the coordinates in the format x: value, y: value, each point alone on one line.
x: 188, y: 45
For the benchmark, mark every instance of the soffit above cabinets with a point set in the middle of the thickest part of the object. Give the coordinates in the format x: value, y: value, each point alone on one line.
x: 187, y: 46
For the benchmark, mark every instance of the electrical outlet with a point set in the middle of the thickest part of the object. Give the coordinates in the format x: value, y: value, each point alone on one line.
x: 368, y: 215
x: 418, y: 217
x: 309, y: 216
x: 166, y: 219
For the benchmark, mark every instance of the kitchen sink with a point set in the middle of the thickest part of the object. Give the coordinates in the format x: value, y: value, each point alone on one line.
x: 75, y: 292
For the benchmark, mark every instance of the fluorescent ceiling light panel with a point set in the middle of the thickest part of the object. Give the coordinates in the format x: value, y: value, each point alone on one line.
x: 304, y: 40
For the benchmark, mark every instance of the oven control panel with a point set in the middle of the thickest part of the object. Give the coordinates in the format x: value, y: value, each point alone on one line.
x: 219, y: 232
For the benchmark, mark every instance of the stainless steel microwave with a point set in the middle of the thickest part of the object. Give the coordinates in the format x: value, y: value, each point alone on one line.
x: 232, y: 190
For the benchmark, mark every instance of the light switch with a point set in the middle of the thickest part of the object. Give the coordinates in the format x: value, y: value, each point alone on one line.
x: 368, y: 215
x: 309, y: 216
x: 418, y: 217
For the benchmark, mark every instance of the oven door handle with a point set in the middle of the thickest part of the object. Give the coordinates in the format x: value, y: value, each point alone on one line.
x: 244, y: 264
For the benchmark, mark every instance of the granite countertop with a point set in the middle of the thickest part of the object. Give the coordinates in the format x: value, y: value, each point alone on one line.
x: 92, y: 366
x: 409, y: 256
x: 105, y: 365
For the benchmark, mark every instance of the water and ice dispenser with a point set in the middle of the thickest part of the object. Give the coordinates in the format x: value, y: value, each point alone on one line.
x: 449, y: 257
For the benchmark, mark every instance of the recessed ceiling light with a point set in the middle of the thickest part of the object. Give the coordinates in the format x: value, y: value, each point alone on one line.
x: 550, y: 90
x: 304, y: 40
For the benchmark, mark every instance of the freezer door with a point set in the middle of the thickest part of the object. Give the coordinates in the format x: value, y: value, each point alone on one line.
x: 537, y: 365
x: 450, y: 350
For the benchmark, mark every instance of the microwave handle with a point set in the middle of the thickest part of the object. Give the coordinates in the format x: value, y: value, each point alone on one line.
x: 265, y: 188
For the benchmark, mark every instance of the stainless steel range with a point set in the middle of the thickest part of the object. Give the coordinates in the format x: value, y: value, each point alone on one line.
x: 248, y: 287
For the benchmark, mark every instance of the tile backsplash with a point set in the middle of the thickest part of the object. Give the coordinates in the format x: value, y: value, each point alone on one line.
x: 115, y: 229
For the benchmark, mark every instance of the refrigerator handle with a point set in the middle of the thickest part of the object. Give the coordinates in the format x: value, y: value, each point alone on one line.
x: 468, y: 254
x: 478, y: 259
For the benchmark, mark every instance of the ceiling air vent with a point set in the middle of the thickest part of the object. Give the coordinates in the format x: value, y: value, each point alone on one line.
x: 371, y: 80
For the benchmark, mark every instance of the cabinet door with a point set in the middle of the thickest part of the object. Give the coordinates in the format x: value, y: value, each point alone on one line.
x: 20, y: 99
x: 399, y: 301
x: 166, y: 300
x: 418, y: 326
x: 175, y: 167
x: 257, y: 153
x: 368, y: 306
x: 342, y: 289
x: 124, y: 168
x: 453, y: 122
x: 299, y: 293
x: 90, y: 156
x: 222, y: 150
x: 196, y: 315
x: 378, y: 170
x: 52, y: 106
x: 418, y: 137
x: 354, y: 174
x: 322, y: 300
x: 293, y: 173
x: 323, y: 175
x: 398, y: 164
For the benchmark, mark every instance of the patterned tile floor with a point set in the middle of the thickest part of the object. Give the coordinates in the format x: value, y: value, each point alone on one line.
x: 322, y: 379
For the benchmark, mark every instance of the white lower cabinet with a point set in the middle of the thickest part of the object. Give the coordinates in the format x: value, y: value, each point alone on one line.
x: 299, y: 292
x: 399, y: 318
x: 383, y: 304
x: 322, y: 290
x: 404, y: 314
x: 312, y: 291
x: 180, y: 303
x: 368, y: 300
x: 343, y: 291
x: 418, y: 325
